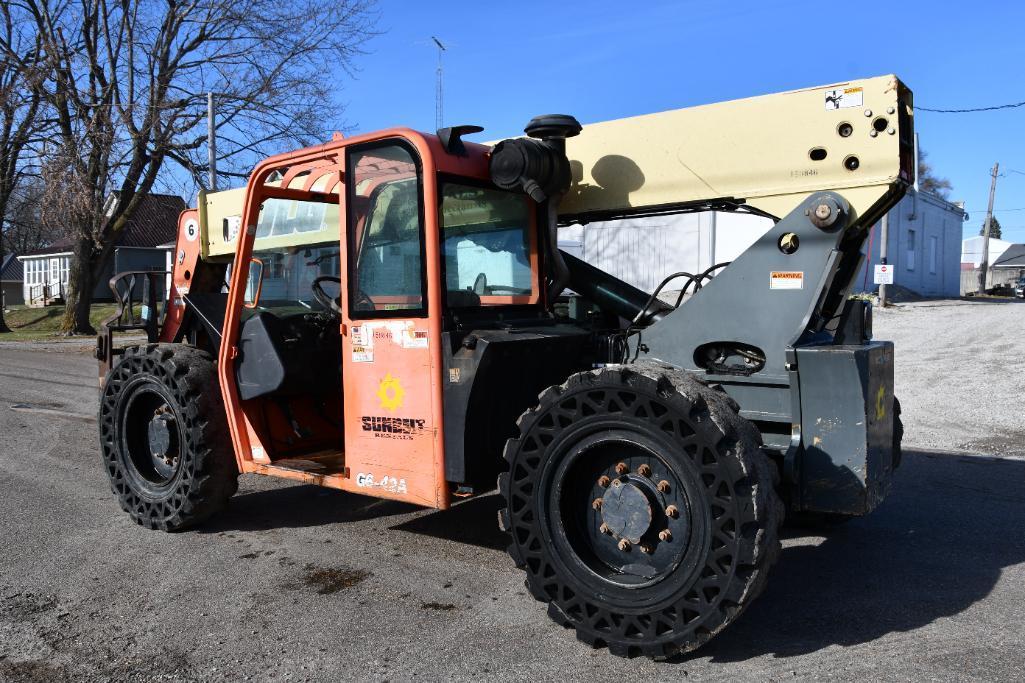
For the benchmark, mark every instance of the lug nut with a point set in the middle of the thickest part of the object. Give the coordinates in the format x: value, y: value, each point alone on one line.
x: 621, y: 468
x: 646, y: 549
x: 665, y: 535
x: 663, y: 486
x: 644, y: 471
x: 624, y: 545
x: 604, y: 528
x: 603, y: 481
x: 672, y: 512
x: 597, y: 504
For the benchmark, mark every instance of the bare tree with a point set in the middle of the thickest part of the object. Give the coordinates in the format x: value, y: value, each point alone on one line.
x: 127, y: 84
x: 20, y: 101
x: 24, y: 227
x: 928, y: 180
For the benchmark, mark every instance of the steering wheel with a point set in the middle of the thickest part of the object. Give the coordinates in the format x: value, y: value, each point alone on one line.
x: 480, y: 285
x: 322, y: 297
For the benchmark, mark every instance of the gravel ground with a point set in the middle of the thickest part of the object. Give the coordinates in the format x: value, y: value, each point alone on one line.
x: 960, y: 373
x: 297, y: 583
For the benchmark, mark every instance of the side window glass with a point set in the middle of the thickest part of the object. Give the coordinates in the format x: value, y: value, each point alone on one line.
x: 385, y: 231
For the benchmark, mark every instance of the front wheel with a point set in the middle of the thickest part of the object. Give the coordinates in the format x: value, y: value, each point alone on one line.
x: 164, y: 436
x: 641, y: 508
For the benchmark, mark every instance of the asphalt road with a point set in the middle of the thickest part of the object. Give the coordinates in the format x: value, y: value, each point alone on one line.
x: 298, y: 583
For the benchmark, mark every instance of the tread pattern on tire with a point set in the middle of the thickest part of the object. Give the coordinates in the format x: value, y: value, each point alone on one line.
x: 209, y: 472
x: 754, y: 542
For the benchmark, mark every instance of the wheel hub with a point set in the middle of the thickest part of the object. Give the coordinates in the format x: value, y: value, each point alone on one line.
x: 160, y: 433
x: 626, y: 511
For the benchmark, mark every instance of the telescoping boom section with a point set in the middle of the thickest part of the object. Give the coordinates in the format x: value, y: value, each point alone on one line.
x: 390, y: 314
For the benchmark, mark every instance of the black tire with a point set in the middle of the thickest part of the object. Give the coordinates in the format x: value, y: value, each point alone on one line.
x: 164, y: 436
x: 659, y: 597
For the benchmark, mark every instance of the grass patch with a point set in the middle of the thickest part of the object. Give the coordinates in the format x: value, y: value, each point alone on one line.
x: 40, y: 323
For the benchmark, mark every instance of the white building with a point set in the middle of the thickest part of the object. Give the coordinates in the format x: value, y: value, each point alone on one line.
x: 971, y: 250
x: 924, y: 245
x: 643, y: 251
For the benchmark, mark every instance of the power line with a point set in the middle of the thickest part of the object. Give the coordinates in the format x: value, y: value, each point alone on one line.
x: 969, y: 111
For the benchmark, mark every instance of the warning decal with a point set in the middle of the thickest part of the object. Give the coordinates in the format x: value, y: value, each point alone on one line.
x: 841, y: 98
x: 362, y: 354
x: 786, y: 279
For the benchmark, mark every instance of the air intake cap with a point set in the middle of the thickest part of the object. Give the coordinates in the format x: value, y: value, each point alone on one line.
x: 536, y: 165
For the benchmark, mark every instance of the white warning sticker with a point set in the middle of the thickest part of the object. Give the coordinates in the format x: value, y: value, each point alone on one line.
x: 414, y: 339
x: 786, y: 279
x: 841, y: 98
x: 362, y: 354
x: 360, y: 336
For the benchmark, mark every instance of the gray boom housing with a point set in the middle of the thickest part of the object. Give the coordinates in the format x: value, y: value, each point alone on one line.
x: 824, y: 402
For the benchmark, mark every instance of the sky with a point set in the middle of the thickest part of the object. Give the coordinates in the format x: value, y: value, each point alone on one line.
x: 507, y: 62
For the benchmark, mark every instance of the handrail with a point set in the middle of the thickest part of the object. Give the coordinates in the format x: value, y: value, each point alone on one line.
x: 123, y: 286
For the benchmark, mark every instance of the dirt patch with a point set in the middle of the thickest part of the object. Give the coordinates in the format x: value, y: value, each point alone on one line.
x: 32, y: 671
x: 23, y: 606
x: 438, y: 606
x: 328, y: 580
x: 53, y: 409
x: 1007, y: 443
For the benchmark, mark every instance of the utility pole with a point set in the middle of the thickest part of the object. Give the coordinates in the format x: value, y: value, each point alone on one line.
x: 884, y: 238
x: 984, y: 263
x: 211, y: 143
x: 439, y: 94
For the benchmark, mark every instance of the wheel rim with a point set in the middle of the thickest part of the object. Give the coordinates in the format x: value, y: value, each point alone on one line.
x: 623, y: 511
x: 151, y: 435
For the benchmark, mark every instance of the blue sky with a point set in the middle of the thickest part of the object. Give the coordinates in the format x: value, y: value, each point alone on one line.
x: 601, y: 60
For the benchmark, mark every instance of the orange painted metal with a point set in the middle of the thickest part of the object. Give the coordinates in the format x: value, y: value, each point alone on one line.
x: 400, y: 392
x: 187, y: 250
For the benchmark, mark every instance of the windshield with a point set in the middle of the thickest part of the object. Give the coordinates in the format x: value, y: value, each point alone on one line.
x: 487, y: 237
x: 288, y: 274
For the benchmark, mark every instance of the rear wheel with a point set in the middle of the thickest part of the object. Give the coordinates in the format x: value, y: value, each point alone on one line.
x: 164, y: 436
x: 641, y: 507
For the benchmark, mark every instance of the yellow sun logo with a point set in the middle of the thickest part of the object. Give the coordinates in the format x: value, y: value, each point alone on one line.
x: 390, y: 393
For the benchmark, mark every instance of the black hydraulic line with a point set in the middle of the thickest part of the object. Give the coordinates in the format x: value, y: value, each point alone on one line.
x: 611, y: 293
x: 658, y: 290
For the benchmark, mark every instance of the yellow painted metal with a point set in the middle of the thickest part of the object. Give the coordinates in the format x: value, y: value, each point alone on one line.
x: 761, y: 149
x: 220, y: 213
x: 283, y: 223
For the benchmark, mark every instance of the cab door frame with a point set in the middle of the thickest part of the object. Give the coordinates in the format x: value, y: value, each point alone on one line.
x: 250, y: 453
x: 391, y: 358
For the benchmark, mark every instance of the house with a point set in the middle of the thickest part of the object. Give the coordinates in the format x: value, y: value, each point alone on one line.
x: 924, y: 245
x: 971, y: 257
x: 143, y: 245
x: 1010, y: 265
x: 10, y: 281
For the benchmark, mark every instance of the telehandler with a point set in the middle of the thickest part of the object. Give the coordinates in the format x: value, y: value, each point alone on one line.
x: 381, y: 314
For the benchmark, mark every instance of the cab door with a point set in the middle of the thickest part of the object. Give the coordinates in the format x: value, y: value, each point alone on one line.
x: 390, y: 378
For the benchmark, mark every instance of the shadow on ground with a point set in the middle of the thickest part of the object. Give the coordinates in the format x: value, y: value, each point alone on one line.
x: 301, y: 506
x: 935, y: 547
